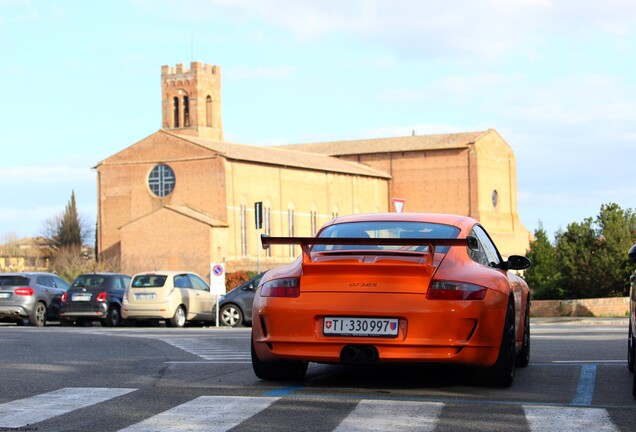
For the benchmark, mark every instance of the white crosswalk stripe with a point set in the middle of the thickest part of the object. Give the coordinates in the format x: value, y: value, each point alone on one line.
x: 395, y: 416
x: 213, y: 350
x: 567, y: 419
x: 205, y: 413
x: 222, y: 413
x: 22, y: 412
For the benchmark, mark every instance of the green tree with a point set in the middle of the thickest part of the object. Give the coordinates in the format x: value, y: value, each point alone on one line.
x: 617, y: 233
x: 592, y: 255
x: 576, y: 249
x: 69, y: 232
x: 543, y: 276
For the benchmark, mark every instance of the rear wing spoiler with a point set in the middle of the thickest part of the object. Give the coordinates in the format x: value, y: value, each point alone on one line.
x: 306, y: 242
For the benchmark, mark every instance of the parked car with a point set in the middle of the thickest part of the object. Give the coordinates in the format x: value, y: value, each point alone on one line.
x: 235, y: 307
x: 393, y: 288
x: 631, y: 333
x: 94, y: 297
x: 30, y: 297
x: 173, y: 296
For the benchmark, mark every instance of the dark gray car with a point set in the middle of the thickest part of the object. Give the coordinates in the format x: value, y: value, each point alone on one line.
x: 30, y: 297
x: 94, y: 297
x: 235, y: 307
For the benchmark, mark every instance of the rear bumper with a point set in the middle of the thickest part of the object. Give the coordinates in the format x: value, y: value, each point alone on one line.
x: 439, y: 331
x: 99, y: 310
x: 151, y: 311
x: 13, y: 312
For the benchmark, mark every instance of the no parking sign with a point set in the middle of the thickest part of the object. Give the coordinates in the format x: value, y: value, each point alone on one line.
x: 217, y: 278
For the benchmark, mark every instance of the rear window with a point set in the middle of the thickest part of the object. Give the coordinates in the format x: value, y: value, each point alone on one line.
x: 90, y: 281
x: 13, y: 280
x: 149, y: 281
x: 410, y: 230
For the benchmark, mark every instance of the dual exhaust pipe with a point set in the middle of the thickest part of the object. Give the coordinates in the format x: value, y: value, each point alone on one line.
x: 356, y: 354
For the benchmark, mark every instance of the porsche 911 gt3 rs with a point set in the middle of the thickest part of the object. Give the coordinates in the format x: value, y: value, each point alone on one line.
x: 393, y: 287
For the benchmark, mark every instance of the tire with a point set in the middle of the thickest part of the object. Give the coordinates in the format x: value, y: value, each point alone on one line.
x: 230, y: 315
x: 523, y: 358
x: 634, y: 386
x: 502, y: 373
x: 38, y: 315
x: 279, y: 370
x: 179, y: 318
x: 631, y: 349
x: 113, y: 319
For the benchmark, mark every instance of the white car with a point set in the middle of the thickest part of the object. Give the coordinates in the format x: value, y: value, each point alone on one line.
x: 173, y: 296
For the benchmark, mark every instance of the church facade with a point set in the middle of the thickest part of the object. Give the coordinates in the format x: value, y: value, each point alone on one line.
x: 183, y: 198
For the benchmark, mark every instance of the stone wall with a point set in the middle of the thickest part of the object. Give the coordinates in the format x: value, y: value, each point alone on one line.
x: 602, y: 307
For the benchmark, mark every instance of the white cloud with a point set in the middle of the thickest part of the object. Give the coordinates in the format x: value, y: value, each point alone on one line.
x: 486, y: 28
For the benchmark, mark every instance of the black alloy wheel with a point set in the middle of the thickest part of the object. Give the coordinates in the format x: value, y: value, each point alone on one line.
x: 523, y: 358
x: 631, y: 349
x: 113, y: 319
x: 502, y: 373
x: 279, y: 370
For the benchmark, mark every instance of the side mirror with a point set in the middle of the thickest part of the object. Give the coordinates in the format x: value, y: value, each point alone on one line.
x: 632, y: 254
x: 517, y: 262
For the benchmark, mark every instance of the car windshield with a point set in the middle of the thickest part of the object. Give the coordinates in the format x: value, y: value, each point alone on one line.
x: 90, y: 281
x: 13, y: 280
x: 385, y: 230
x: 149, y: 281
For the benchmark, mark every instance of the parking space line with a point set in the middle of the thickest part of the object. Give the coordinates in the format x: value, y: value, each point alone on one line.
x: 285, y: 391
x: 585, y: 389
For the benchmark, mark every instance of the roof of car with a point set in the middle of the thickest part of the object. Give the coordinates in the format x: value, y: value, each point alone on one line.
x: 164, y: 272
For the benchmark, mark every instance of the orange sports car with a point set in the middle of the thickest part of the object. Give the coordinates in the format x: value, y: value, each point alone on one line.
x: 393, y: 287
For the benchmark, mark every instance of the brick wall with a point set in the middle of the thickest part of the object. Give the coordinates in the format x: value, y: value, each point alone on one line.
x: 615, y: 306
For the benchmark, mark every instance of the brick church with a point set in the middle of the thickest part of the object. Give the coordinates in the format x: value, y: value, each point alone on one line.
x: 183, y: 198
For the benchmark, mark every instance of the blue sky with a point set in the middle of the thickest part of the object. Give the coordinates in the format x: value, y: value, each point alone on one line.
x: 555, y: 78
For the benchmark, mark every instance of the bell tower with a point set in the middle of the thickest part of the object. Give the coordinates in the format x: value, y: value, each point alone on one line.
x: 191, y: 100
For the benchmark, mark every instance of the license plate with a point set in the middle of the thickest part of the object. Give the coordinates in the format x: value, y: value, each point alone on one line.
x: 4, y: 295
x: 81, y: 297
x: 145, y: 296
x: 356, y: 326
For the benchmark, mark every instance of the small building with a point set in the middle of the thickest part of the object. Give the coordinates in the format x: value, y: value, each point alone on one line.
x: 183, y: 198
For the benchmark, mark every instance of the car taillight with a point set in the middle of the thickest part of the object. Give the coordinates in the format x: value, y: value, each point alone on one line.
x: 25, y: 291
x: 125, y: 299
x: 287, y: 287
x: 448, y: 290
x: 101, y: 297
x: 64, y: 297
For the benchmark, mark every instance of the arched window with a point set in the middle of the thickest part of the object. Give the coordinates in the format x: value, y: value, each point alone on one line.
x: 175, y: 110
x: 208, y: 111
x: 186, y: 111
